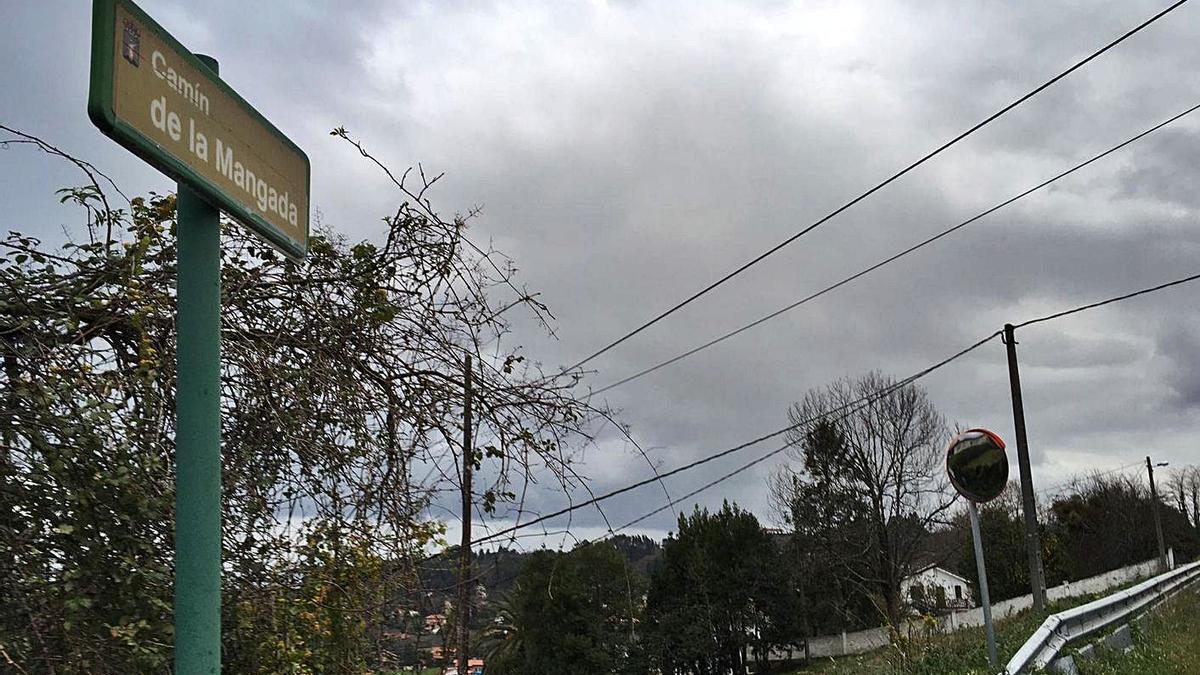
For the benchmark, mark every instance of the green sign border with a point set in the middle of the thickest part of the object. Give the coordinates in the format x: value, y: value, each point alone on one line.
x: 100, y: 110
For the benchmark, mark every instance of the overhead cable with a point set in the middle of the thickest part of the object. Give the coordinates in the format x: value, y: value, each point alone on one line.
x: 893, y: 258
x: 933, y: 153
x: 906, y: 381
x: 741, y: 446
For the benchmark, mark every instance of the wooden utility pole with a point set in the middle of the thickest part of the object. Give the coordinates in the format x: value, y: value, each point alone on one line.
x: 463, y: 611
x: 1162, y: 548
x: 1033, y: 545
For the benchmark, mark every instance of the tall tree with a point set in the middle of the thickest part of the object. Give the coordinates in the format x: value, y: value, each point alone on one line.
x: 574, y: 612
x: 869, y: 475
x: 828, y: 522
x: 719, y: 598
x: 1183, y: 488
x: 1106, y: 522
x: 340, y: 393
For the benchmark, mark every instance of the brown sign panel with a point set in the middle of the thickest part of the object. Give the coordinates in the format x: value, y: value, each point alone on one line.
x: 156, y: 98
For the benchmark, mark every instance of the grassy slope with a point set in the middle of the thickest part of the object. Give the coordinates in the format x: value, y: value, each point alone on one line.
x: 1167, y: 644
x: 962, y: 652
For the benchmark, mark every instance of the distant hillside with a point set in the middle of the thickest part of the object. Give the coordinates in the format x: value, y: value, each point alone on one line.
x: 498, y: 570
x: 641, y: 551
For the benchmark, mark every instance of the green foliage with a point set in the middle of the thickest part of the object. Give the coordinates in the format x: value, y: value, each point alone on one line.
x: 85, y: 498
x: 720, y: 596
x: 340, y: 378
x: 1106, y: 522
x: 1002, y: 526
x: 924, y: 599
x: 869, y: 488
x: 829, y: 520
x: 573, y: 612
x: 317, y: 626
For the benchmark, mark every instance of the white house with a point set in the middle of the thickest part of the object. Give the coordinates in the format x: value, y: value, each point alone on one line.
x: 932, y: 588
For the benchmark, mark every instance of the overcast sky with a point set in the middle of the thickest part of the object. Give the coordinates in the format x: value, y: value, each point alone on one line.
x: 628, y: 153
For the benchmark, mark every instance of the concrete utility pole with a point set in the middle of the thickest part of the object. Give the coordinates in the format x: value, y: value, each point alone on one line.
x: 1162, y: 548
x: 464, y: 570
x: 1033, y: 545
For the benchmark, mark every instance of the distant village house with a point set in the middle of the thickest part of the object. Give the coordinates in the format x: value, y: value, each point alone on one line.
x: 435, y: 622
x: 933, y: 589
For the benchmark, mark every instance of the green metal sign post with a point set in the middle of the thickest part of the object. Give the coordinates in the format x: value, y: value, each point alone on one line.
x: 169, y: 107
x: 198, y: 435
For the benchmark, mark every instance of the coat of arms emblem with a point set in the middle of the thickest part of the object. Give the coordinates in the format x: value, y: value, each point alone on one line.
x: 131, y: 43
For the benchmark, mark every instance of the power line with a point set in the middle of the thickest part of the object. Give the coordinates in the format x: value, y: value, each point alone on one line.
x: 1101, y: 303
x: 1134, y: 463
x: 896, y: 256
x: 741, y: 446
x: 776, y: 451
x: 913, y: 378
x: 704, y: 487
x: 880, y: 186
x: 1061, y: 487
x: 866, y: 400
x: 1089, y: 474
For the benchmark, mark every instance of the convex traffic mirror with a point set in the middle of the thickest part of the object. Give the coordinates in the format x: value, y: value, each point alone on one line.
x: 977, y: 464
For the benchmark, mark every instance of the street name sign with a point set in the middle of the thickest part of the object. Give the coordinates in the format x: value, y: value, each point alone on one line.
x: 153, y: 96
x: 170, y: 107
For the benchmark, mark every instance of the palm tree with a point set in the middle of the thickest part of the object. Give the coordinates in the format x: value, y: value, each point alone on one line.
x: 502, y: 640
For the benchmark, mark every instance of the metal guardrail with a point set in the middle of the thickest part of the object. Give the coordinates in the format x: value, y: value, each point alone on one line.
x: 1060, y: 629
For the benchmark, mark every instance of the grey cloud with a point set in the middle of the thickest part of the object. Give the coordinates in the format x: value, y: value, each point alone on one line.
x: 628, y: 154
x: 1179, y: 344
x: 1166, y: 169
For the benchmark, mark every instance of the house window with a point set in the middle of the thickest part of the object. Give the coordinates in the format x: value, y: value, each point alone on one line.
x: 957, y: 592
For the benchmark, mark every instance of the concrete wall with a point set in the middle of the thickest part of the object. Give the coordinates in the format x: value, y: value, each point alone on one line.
x: 857, y: 642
